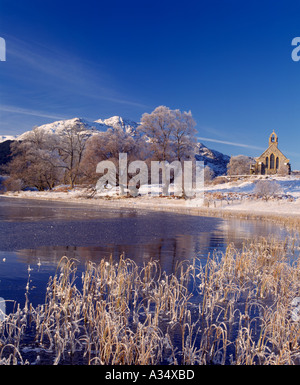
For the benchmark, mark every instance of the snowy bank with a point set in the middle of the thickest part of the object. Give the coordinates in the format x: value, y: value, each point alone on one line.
x: 227, y: 199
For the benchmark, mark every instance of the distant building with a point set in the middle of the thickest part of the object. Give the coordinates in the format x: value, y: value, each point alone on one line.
x: 271, y: 161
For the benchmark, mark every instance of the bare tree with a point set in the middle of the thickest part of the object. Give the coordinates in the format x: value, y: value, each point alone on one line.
x: 108, y: 146
x: 283, y: 169
x: 208, y: 174
x: 239, y: 165
x: 184, y: 135
x: 267, y: 188
x: 159, y: 126
x: 70, y: 145
x: 35, y: 162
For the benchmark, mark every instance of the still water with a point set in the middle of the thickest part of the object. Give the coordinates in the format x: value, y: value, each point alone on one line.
x: 34, y: 235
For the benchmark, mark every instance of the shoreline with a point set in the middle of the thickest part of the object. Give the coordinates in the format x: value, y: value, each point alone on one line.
x: 282, y: 212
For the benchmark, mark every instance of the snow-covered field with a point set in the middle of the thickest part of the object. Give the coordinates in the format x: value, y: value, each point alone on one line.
x: 235, y: 196
x: 288, y: 185
x: 241, y: 196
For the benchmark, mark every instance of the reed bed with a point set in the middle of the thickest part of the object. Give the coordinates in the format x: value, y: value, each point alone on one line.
x: 240, y: 307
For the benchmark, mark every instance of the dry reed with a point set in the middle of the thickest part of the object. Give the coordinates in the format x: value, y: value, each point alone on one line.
x: 237, y: 308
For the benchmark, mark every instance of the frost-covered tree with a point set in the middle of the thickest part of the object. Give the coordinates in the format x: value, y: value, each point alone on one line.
x: 171, y: 133
x: 171, y: 137
x: 43, y: 159
x: 107, y: 146
x: 239, y: 165
x: 208, y: 174
x: 267, y: 188
x: 184, y: 135
x: 159, y: 126
x: 35, y: 162
x: 70, y: 145
x: 283, y: 169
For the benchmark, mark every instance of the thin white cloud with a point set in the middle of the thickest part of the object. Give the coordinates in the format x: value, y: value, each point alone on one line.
x: 67, y: 71
x: 23, y: 111
x: 230, y: 143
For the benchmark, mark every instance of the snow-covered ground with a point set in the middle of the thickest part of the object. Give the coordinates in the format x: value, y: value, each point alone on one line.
x: 242, y: 196
x: 287, y: 185
x: 235, y: 196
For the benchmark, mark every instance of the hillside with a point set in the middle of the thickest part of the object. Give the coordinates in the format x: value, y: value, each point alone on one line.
x: 118, y: 123
x: 214, y: 159
x: 5, y: 151
x: 58, y: 127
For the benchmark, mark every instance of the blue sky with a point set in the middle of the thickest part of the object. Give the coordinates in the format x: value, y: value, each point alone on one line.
x: 228, y: 61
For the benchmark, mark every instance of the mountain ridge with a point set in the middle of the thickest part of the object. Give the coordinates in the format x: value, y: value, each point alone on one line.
x: 215, y: 160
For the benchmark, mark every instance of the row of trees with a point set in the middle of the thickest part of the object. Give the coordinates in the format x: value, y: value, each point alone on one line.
x: 44, y: 160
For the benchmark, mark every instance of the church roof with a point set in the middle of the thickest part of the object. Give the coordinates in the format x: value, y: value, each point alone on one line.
x: 273, y: 148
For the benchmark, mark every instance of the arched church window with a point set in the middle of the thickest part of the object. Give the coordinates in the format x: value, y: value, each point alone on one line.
x: 272, y: 161
x: 277, y: 163
x: 267, y: 162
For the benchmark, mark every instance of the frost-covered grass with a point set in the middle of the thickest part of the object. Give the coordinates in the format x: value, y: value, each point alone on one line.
x: 240, y: 307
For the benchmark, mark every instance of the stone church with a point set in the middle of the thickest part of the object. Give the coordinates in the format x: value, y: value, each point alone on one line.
x: 272, y: 160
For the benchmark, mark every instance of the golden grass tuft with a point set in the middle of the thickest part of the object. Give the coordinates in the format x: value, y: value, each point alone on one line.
x: 236, y: 308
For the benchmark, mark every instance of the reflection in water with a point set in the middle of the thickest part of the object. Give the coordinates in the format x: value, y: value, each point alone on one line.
x: 39, y: 234
x: 168, y: 250
x: 23, y: 210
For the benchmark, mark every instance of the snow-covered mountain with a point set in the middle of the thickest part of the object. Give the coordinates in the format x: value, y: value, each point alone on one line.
x: 3, y: 138
x: 118, y: 123
x: 58, y: 127
x: 215, y: 160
